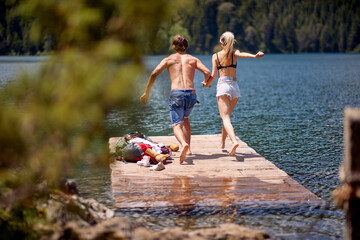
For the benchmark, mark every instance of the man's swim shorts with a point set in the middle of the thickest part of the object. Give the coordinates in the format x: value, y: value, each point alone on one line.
x: 181, y: 103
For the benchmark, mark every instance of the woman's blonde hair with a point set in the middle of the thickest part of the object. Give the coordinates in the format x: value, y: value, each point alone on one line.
x: 227, y: 39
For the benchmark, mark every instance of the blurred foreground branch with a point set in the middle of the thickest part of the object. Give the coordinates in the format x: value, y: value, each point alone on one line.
x: 50, y: 120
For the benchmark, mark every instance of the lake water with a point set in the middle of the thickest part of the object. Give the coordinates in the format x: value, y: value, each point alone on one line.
x: 290, y: 111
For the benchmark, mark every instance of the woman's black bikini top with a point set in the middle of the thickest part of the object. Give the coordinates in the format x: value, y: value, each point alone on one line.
x: 232, y: 63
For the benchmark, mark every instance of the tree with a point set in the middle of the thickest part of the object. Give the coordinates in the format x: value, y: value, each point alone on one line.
x: 279, y: 25
x: 354, y: 34
x: 50, y: 120
x: 251, y: 40
x: 225, y: 17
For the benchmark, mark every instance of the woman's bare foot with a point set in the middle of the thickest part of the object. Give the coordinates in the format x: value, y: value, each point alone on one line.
x: 183, y: 153
x: 189, y: 151
x: 233, y: 149
x: 222, y: 145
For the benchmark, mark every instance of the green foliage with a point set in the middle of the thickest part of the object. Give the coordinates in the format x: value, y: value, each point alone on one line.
x: 18, y: 223
x: 50, y: 120
x: 287, y: 26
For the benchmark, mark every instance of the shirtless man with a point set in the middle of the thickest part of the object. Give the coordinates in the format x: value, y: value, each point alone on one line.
x: 181, y: 67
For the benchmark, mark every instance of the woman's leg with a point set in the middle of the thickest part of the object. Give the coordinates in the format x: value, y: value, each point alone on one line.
x: 226, y: 106
x: 224, y: 134
x: 223, y: 137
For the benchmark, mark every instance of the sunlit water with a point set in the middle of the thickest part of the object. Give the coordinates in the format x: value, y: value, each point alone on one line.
x: 290, y: 111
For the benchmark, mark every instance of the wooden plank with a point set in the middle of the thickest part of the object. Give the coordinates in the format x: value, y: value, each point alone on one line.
x: 207, y: 178
x: 352, y: 172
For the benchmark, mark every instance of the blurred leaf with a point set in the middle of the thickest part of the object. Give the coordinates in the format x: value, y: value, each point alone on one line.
x: 50, y: 120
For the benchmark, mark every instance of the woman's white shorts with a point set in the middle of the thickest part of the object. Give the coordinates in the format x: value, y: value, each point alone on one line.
x: 226, y: 86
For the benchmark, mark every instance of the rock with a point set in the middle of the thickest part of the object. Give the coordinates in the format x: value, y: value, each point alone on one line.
x: 61, y: 210
x: 175, y: 233
x: 121, y: 228
x: 73, y: 217
x: 69, y: 187
x: 230, y: 231
x: 64, y: 208
x: 97, y: 210
x: 115, y: 228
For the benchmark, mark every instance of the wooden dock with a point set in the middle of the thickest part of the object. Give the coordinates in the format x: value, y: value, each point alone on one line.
x: 207, y: 178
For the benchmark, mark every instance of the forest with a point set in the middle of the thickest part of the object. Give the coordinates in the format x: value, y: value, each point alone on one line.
x: 273, y: 26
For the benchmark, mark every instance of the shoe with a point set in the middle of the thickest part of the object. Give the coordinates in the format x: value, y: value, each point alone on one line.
x: 141, y: 162
x: 158, y: 167
x: 146, y: 162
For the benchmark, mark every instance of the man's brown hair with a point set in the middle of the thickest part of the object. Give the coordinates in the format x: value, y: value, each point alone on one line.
x: 179, y: 43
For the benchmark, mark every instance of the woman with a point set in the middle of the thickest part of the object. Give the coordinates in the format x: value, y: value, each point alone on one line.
x: 227, y: 91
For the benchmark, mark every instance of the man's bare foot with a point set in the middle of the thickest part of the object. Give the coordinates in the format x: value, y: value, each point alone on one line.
x: 233, y: 149
x: 183, y: 153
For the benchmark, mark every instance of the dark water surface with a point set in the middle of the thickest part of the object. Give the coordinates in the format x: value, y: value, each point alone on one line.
x: 290, y: 111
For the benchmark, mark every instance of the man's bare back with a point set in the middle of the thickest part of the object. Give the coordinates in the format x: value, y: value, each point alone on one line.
x: 181, y: 68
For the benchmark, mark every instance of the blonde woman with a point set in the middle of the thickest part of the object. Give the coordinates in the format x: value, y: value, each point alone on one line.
x: 227, y: 91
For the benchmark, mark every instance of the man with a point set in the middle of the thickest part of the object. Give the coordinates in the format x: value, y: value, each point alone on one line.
x: 181, y: 67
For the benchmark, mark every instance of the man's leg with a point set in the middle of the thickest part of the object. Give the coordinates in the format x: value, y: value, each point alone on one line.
x: 187, y: 133
x: 179, y: 134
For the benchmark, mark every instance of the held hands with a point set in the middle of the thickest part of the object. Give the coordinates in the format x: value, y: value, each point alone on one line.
x: 259, y: 54
x: 205, y: 84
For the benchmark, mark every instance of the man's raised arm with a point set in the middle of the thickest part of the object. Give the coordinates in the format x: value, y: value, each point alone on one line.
x: 162, y: 65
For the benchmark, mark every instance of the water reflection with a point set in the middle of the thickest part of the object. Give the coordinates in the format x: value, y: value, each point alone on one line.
x: 281, y: 222
x: 131, y: 191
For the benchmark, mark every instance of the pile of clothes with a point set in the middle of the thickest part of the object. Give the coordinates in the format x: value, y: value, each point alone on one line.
x: 137, y: 147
